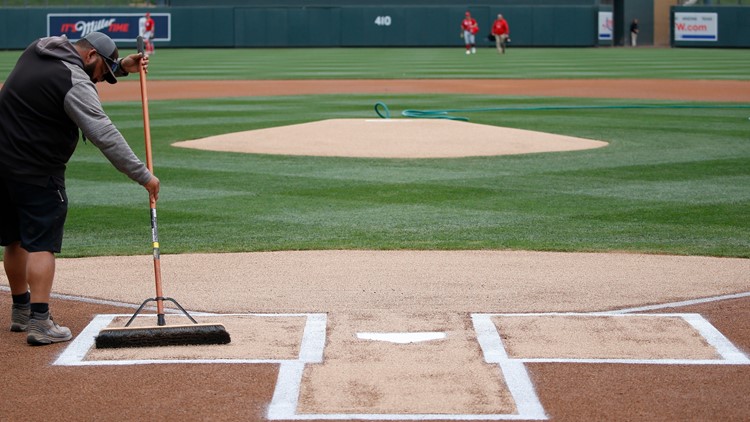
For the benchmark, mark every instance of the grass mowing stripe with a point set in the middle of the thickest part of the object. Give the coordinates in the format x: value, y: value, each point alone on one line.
x: 425, y: 63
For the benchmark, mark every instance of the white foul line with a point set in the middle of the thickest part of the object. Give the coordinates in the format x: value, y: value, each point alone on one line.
x: 680, y: 304
x: 723, y: 346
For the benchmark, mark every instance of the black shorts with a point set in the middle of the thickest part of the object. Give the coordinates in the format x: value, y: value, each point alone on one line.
x: 34, y: 215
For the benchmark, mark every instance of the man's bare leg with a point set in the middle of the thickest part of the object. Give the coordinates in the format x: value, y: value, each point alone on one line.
x: 14, y: 261
x: 40, y: 273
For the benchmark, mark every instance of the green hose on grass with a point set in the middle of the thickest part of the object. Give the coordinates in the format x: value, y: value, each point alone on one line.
x: 384, y: 112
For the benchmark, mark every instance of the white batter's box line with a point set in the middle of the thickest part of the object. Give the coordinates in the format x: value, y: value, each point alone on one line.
x: 311, y: 347
x: 516, y: 376
x: 729, y: 353
x: 286, y: 396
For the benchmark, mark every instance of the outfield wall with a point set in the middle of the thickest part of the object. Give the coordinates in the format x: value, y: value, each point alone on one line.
x: 318, y: 26
x: 539, y: 25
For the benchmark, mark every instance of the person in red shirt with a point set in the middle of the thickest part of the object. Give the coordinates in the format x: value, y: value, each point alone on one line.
x: 470, y: 28
x: 501, y: 31
x: 148, y: 34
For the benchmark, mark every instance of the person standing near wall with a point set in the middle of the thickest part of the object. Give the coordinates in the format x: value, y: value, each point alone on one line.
x: 470, y: 27
x: 501, y: 32
x: 146, y: 27
x: 634, y: 33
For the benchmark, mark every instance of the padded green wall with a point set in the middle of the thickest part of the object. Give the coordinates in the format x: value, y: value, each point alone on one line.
x: 359, y: 26
x: 339, y: 26
x: 404, y: 26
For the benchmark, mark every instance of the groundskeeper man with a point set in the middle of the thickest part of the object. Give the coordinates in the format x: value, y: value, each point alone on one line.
x: 46, y: 100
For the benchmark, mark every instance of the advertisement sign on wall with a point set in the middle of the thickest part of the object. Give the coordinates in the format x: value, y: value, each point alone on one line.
x: 696, y: 26
x: 119, y: 26
x: 605, y: 25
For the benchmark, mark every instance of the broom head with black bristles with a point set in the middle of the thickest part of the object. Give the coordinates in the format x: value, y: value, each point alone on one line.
x: 167, y: 335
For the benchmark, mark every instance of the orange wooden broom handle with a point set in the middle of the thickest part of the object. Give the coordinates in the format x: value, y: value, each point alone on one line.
x: 152, y: 201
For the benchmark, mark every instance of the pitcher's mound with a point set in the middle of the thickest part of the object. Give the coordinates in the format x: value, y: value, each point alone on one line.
x: 391, y: 138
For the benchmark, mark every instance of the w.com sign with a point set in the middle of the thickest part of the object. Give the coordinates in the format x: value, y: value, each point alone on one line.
x: 119, y: 26
x: 696, y: 27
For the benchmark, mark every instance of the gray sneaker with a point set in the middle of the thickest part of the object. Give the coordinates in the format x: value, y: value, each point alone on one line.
x: 19, y: 317
x: 43, y: 330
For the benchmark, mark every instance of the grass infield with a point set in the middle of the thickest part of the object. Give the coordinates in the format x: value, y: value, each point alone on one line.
x: 673, y: 180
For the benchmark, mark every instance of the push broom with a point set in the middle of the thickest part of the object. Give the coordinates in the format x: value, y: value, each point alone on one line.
x: 161, y: 334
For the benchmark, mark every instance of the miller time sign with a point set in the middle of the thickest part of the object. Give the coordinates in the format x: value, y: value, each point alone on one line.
x: 118, y: 26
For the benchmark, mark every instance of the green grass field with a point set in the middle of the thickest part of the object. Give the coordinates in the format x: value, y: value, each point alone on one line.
x: 434, y: 63
x: 672, y: 180
x: 427, y: 63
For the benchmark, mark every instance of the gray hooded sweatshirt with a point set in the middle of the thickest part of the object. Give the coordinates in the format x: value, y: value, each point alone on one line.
x: 44, y: 102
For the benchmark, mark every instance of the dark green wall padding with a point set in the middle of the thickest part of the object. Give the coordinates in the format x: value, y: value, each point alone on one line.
x: 335, y: 26
x: 535, y: 25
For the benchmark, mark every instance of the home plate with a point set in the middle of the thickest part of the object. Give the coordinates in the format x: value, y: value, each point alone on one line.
x: 401, y: 338
x: 391, y: 138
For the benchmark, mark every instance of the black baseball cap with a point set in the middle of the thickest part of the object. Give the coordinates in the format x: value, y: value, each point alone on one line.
x: 108, y: 50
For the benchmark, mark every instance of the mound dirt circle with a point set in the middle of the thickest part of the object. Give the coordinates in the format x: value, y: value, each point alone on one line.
x: 391, y: 138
